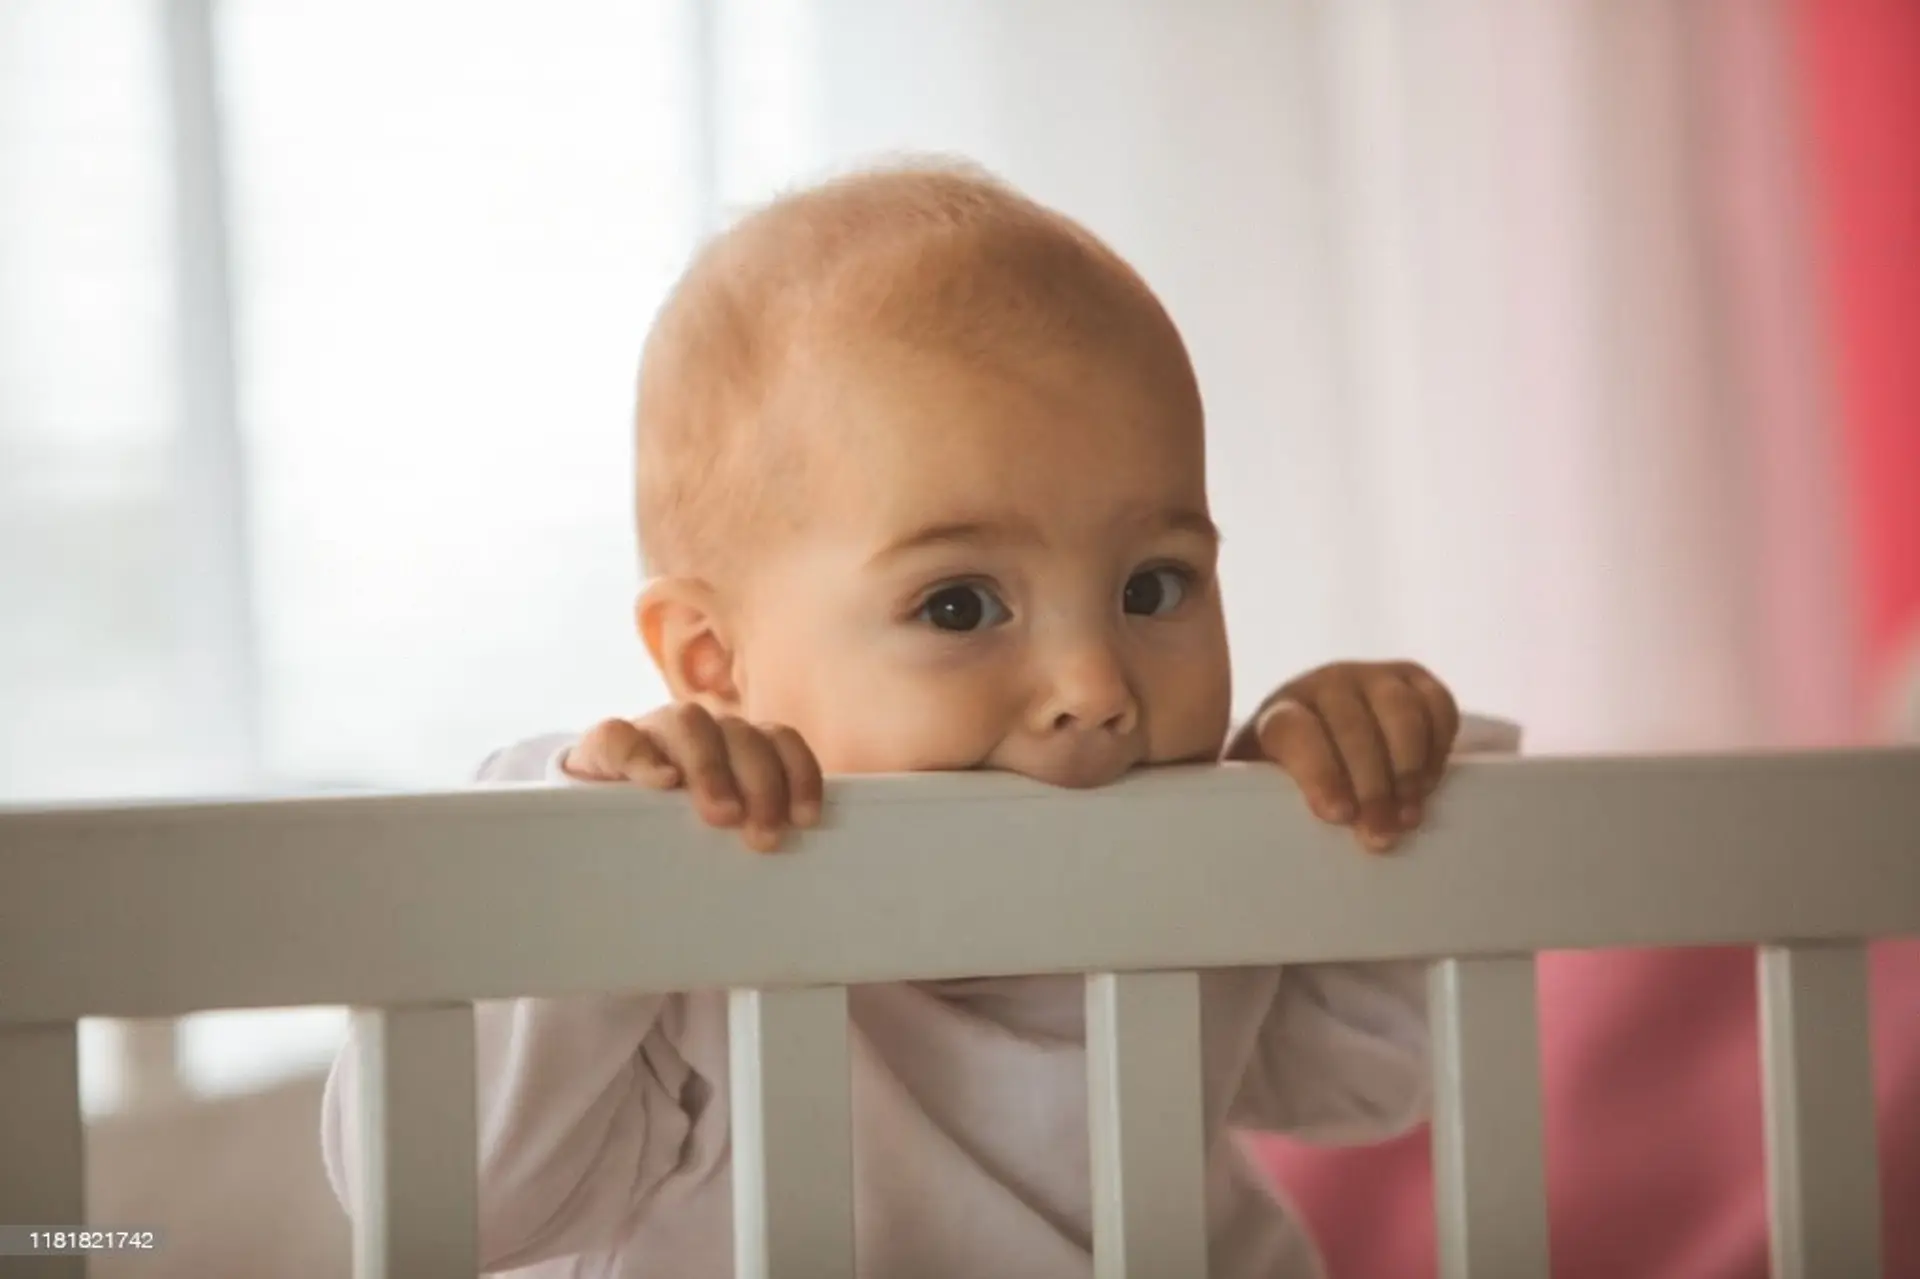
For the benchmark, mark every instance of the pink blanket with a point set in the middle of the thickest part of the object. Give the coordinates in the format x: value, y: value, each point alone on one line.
x: 1656, y: 1162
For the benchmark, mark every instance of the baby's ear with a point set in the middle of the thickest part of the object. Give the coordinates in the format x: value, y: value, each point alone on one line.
x: 679, y: 620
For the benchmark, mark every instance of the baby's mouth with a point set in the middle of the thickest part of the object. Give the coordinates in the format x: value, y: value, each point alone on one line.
x: 1080, y: 771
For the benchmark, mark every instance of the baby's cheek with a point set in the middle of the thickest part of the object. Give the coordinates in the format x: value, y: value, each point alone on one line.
x: 1191, y: 704
x: 909, y: 725
x: 911, y: 731
x: 880, y: 703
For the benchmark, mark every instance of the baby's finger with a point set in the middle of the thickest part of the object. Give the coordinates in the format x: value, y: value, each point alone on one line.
x: 694, y: 743
x: 1402, y: 717
x: 1293, y: 736
x: 583, y: 761
x: 1443, y: 718
x: 646, y: 763
x: 763, y: 783
x: 602, y: 752
x: 1364, y: 754
x: 804, y: 787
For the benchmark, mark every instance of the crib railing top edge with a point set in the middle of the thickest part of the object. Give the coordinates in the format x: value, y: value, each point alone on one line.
x: 151, y: 910
x: 918, y: 788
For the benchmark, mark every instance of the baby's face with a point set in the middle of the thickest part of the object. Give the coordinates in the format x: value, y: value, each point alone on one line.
x: 1009, y: 570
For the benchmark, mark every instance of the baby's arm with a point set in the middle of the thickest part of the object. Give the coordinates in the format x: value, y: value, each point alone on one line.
x: 578, y: 1121
x: 1342, y: 1056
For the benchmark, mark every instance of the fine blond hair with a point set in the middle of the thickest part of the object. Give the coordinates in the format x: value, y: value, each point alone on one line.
x: 927, y: 255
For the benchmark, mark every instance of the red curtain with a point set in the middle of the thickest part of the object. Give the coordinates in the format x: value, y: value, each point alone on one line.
x: 1860, y: 62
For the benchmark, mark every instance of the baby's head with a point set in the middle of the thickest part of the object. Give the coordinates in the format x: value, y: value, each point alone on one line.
x: 922, y: 475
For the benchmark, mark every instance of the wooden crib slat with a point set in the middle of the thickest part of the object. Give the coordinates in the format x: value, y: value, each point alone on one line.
x: 42, y: 1151
x: 1488, y: 1148
x: 1817, y: 1064
x: 792, y: 1134
x: 418, y: 1144
x: 1145, y: 1129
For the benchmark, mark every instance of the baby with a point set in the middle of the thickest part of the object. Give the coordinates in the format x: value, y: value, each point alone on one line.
x: 922, y: 486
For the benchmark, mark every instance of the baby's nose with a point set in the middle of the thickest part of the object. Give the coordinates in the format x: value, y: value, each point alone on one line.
x: 1089, y: 692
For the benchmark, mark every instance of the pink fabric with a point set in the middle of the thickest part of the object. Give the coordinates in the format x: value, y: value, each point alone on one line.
x: 1860, y: 80
x: 1656, y: 1162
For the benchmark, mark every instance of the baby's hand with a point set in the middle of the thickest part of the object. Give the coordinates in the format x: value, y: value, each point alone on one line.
x: 1367, y: 743
x: 759, y: 777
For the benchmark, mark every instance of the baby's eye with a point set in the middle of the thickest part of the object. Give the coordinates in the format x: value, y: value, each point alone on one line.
x: 1155, y: 591
x: 963, y: 608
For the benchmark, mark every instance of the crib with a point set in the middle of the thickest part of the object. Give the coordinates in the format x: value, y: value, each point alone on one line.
x: 408, y: 907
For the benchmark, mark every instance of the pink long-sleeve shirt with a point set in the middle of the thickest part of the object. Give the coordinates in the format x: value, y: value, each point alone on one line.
x: 604, y: 1133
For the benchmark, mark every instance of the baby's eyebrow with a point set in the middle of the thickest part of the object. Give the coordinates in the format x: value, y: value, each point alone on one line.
x: 959, y: 533
x: 1004, y: 532
x: 1189, y: 521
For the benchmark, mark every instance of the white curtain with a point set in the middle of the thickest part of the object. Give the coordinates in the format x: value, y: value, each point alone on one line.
x: 1505, y: 369
x: 1502, y: 311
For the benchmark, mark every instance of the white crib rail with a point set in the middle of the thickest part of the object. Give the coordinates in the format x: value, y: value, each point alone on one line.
x: 414, y: 905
